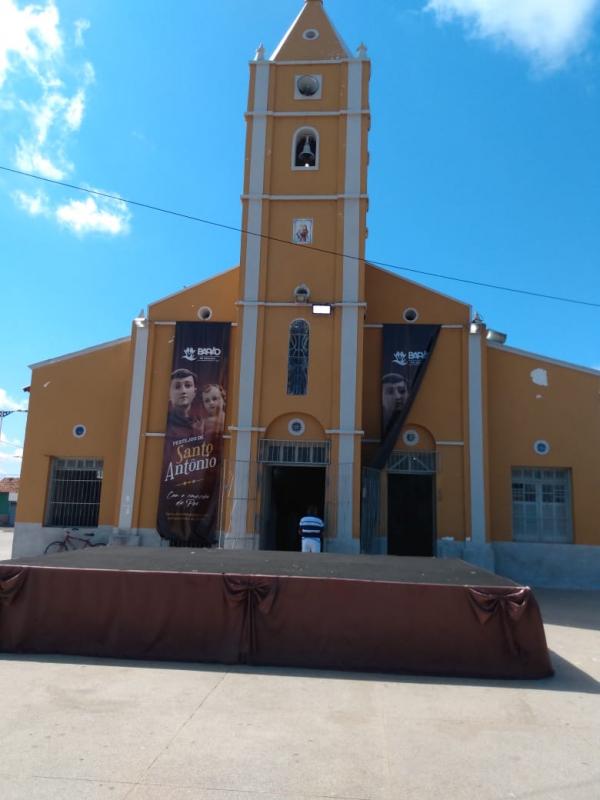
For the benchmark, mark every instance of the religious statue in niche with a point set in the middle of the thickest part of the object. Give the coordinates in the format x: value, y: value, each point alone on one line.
x: 303, y: 231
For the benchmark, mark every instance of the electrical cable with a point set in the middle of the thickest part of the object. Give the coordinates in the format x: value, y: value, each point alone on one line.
x: 385, y: 265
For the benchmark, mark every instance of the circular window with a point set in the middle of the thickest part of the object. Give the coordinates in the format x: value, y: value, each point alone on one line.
x: 411, y: 438
x: 296, y: 427
x: 308, y: 85
x: 541, y: 447
x: 410, y: 315
x: 311, y: 33
x: 204, y: 313
x: 79, y: 431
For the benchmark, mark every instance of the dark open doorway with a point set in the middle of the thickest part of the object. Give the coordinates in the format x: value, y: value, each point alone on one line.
x: 411, y: 515
x: 289, y: 491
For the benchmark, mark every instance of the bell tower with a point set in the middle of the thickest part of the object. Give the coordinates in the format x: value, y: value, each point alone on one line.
x: 302, y: 252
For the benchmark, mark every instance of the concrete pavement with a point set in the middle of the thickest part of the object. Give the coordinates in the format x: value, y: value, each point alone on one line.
x: 86, y: 729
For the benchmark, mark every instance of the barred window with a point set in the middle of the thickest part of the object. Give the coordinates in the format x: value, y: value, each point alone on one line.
x: 297, y: 383
x: 74, y: 495
x: 273, y: 451
x: 541, y: 501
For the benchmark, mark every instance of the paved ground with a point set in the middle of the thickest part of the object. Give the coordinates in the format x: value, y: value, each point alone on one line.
x: 84, y: 729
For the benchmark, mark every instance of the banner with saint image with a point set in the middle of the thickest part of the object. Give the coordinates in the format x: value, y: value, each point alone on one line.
x: 188, y: 505
x: 406, y: 352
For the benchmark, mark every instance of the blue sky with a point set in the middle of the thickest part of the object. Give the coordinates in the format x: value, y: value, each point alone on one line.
x: 485, y: 160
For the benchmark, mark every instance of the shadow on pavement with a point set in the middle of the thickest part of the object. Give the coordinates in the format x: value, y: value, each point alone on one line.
x: 571, y: 609
x: 567, y: 678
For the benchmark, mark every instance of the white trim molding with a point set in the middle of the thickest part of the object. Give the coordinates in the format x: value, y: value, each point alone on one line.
x: 318, y: 61
x: 350, y: 310
x: 305, y: 197
x: 249, y: 321
x: 134, y: 427
x: 476, y: 442
x: 246, y: 430
x: 306, y: 114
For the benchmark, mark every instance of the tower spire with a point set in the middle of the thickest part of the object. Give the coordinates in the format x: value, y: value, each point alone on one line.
x: 311, y: 37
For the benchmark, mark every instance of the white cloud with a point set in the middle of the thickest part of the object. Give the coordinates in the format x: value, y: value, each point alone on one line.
x: 44, y: 81
x: 34, y: 204
x: 28, y: 36
x: 8, y: 404
x: 10, y: 462
x: 95, y: 215
x: 30, y: 158
x: 547, y: 31
x: 81, y: 26
x: 74, y: 111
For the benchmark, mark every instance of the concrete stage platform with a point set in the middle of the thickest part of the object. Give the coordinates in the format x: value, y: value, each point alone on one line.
x: 367, y: 613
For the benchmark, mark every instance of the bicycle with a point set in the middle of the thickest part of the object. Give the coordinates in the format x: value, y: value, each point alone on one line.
x: 72, y: 541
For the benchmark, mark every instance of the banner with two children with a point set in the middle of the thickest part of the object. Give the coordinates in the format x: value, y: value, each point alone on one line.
x: 188, y: 507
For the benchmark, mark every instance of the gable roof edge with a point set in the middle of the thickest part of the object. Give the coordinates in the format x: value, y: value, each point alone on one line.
x: 421, y: 286
x: 537, y: 357
x: 193, y: 286
x: 86, y: 351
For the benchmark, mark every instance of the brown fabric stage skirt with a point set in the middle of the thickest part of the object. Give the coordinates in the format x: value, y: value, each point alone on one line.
x: 365, y: 613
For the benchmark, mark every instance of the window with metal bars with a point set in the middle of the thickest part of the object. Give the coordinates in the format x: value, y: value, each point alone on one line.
x: 314, y: 454
x: 298, y: 349
x: 541, y: 504
x: 74, y: 495
x: 411, y: 462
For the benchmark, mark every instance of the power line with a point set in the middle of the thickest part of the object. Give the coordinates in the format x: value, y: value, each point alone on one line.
x: 223, y: 226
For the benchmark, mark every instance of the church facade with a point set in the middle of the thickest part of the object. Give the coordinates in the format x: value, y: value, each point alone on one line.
x: 412, y: 428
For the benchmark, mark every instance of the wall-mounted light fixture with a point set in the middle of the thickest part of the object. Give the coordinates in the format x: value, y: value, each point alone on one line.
x: 325, y: 310
x: 496, y: 336
x: 476, y: 324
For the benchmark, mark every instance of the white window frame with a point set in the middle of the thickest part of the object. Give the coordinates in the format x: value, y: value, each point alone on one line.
x: 306, y: 131
x: 535, y: 518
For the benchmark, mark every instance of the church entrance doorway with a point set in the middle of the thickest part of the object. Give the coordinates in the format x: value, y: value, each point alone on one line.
x: 411, y: 515
x: 288, y: 492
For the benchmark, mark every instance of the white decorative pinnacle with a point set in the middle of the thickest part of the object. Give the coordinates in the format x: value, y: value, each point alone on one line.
x: 361, y: 50
x: 260, y: 53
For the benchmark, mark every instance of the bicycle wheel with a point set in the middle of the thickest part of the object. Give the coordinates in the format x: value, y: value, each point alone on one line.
x: 55, y: 547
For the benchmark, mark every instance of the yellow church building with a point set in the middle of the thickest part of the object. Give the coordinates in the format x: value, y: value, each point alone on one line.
x: 411, y: 427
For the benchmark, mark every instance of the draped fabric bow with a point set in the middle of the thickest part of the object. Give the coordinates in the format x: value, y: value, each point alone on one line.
x: 255, y: 595
x: 10, y: 586
x: 509, y: 604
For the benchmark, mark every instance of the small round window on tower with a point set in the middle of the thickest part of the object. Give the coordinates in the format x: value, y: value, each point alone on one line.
x: 410, y: 315
x: 308, y: 85
x: 311, y: 33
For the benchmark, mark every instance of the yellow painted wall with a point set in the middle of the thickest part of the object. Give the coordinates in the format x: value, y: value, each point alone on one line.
x: 566, y: 413
x: 90, y: 389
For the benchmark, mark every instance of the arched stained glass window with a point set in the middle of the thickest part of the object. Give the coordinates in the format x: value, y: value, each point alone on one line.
x: 298, y: 357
